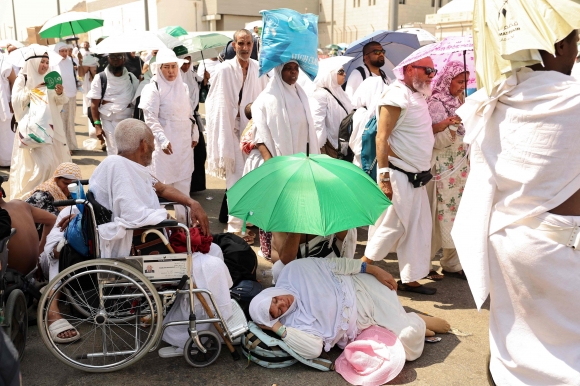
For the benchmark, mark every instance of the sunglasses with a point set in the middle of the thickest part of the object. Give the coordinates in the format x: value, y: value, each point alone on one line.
x: 118, y: 56
x: 377, y: 52
x: 428, y: 70
x: 340, y: 72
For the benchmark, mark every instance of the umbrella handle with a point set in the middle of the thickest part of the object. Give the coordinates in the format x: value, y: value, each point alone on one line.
x: 465, y: 71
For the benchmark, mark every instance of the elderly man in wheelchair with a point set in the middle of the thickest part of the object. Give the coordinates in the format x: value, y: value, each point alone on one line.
x: 112, y: 308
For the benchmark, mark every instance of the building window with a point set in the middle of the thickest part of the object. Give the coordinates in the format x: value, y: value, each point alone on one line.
x: 439, y: 1
x: 401, y: 1
x: 372, y: 2
x: 355, y: 3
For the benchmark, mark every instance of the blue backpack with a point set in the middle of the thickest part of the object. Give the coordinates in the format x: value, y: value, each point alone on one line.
x: 368, y: 153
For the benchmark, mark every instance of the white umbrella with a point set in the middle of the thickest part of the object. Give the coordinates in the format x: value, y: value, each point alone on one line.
x: 18, y: 57
x: 250, y: 26
x: 425, y: 37
x: 326, y: 65
x: 136, y: 41
x: 15, y: 43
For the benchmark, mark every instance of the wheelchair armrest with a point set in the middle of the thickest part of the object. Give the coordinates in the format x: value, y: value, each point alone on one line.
x: 162, y: 224
x: 68, y: 202
x: 164, y: 201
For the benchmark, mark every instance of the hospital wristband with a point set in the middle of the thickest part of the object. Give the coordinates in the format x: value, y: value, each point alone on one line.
x: 383, y: 170
x: 363, y: 267
x: 97, y: 122
x: 281, y: 331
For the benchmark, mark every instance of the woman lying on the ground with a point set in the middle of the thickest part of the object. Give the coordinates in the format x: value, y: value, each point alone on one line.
x: 287, y: 247
x: 55, y: 188
x: 319, y: 303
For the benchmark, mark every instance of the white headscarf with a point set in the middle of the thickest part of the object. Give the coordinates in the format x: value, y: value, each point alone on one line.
x: 173, y: 95
x: 329, y: 317
x: 59, y: 46
x: 328, y: 79
x: 30, y: 69
x: 275, y: 129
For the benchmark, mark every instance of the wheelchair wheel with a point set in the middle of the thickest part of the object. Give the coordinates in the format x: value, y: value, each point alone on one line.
x: 115, y: 297
x: 17, y: 320
x: 195, y: 357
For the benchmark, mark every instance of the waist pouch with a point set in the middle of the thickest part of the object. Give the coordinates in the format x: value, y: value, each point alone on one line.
x: 417, y: 179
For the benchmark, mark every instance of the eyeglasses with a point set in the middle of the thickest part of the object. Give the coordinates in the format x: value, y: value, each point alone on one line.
x: 117, y: 56
x: 376, y: 52
x: 428, y: 70
x: 340, y: 72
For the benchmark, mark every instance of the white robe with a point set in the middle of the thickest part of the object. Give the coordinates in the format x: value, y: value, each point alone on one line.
x: 365, y: 101
x: 283, y: 119
x: 223, y: 134
x: 209, y: 272
x: 6, y: 134
x: 167, y: 112
x: 126, y: 188
x: 524, y: 162
x: 31, y: 167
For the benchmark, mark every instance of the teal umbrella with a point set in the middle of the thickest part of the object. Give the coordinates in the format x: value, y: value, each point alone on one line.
x: 312, y: 194
x: 205, y: 46
x: 174, y: 30
x: 69, y: 24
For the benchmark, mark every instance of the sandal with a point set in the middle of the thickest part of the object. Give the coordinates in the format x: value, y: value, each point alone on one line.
x: 59, y: 326
x: 419, y: 289
x: 435, y: 276
x: 459, y: 274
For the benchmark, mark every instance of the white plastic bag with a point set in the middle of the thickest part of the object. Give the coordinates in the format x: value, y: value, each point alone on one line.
x: 35, y: 128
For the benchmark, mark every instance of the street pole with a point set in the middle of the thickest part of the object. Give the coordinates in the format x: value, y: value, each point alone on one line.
x: 332, y: 22
x: 58, y: 7
x: 393, y: 14
x: 146, y: 3
x: 14, y: 19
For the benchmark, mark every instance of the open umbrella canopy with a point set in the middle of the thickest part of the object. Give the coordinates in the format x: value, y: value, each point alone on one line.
x: 397, y: 46
x: 136, y: 41
x: 425, y: 37
x: 174, y: 30
x: 313, y: 194
x: 205, y: 46
x: 508, y: 34
x: 69, y: 24
x: 18, y: 57
x: 15, y: 43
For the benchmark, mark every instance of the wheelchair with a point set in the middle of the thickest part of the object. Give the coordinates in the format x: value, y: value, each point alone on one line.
x: 13, y: 300
x: 118, y: 304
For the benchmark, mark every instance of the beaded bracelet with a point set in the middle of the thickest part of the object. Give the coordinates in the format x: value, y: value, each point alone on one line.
x: 363, y: 267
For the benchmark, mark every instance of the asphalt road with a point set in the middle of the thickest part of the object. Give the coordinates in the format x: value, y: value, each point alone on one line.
x: 456, y: 360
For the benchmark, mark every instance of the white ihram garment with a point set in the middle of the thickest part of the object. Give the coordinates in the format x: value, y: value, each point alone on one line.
x: 524, y: 162
x: 6, y: 134
x: 209, y: 272
x: 69, y: 83
x: 126, y: 188
x: 30, y: 167
x: 120, y: 92
x: 365, y: 101
x: 406, y: 224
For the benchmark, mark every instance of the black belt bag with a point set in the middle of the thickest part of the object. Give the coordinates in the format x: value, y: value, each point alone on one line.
x: 417, y: 179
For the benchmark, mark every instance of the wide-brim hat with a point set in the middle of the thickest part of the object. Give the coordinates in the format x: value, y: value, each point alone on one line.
x: 375, y: 357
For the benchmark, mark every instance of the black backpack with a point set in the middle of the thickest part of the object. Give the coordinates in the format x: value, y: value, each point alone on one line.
x: 344, y: 152
x: 103, y: 79
x: 239, y: 257
x: 364, y: 75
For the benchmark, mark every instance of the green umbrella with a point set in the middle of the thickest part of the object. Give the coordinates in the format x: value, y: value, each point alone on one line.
x: 69, y: 24
x: 312, y: 194
x: 333, y: 47
x: 174, y: 30
x: 206, y: 45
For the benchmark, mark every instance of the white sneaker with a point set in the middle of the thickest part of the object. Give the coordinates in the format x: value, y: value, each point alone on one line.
x: 170, y: 352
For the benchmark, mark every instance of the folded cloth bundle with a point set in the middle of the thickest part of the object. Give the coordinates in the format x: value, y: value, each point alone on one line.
x: 199, y: 242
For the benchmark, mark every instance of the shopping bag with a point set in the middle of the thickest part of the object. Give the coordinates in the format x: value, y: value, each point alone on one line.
x: 289, y: 35
x: 35, y: 127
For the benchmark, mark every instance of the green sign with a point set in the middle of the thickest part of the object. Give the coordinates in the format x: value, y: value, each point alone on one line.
x: 52, y: 79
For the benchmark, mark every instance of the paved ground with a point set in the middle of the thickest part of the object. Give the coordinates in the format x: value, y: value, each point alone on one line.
x: 456, y: 360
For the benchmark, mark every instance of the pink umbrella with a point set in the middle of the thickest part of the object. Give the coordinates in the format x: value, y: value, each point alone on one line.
x: 453, y: 48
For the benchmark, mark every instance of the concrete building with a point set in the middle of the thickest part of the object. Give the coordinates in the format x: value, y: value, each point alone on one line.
x: 193, y: 15
x: 348, y: 20
x: 454, y: 19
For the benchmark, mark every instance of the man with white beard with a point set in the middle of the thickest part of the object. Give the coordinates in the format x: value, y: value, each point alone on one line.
x: 404, y: 148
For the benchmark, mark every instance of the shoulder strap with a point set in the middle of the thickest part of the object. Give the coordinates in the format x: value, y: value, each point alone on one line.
x: 383, y: 75
x: 362, y: 72
x: 336, y: 100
